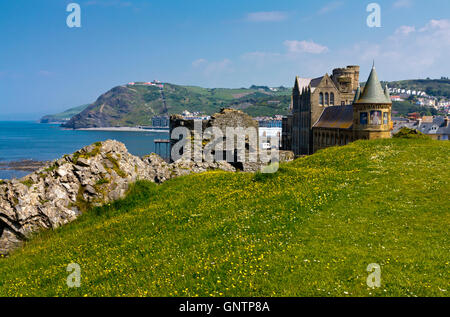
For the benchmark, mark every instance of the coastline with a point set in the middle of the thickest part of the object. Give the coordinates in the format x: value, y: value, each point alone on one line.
x: 24, y: 145
x: 23, y: 165
x: 122, y: 129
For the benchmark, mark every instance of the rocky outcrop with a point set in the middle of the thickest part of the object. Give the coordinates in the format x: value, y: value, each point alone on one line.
x: 61, y: 191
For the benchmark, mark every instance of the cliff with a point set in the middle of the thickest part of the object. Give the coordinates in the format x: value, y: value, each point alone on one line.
x: 61, y: 191
x: 63, y: 116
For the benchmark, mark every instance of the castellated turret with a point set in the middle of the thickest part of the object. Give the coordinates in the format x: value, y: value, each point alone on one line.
x: 346, y: 78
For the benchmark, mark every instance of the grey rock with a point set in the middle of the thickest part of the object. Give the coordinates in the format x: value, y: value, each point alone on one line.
x: 57, y: 193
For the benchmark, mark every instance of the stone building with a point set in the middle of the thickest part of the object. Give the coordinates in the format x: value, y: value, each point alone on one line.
x: 334, y: 110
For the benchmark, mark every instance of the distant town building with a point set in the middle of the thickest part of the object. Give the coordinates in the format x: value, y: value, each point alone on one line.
x: 156, y: 83
x: 396, y: 98
x: 266, y: 134
x: 160, y: 121
x: 436, y: 127
x: 194, y: 115
x: 270, y: 122
x: 443, y: 103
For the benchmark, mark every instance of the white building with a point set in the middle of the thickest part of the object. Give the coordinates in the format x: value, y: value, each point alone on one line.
x: 266, y: 136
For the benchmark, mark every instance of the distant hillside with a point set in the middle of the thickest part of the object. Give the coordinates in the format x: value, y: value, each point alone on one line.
x: 403, y: 108
x: 63, y: 116
x: 433, y: 87
x: 135, y: 105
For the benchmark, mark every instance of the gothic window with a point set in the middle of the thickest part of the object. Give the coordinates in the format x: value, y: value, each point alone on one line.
x: 332, y: 99
x: 327, y: 101
x: 321, y: 99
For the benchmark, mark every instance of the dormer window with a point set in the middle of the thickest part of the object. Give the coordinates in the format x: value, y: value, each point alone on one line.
x: 321, y: 99
x: 327, y: 99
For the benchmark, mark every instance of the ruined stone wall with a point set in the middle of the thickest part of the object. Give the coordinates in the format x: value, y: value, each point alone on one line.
x: 226, y: 118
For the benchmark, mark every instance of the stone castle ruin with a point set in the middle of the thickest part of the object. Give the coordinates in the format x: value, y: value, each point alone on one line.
x: 230, y: 135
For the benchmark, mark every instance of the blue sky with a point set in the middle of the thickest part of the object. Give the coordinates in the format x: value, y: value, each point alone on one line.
x: 47, y: 67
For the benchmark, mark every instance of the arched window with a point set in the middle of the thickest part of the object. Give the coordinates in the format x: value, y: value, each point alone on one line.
x: 327, y: 100
x: 321, y: 98
x: 332, y: 99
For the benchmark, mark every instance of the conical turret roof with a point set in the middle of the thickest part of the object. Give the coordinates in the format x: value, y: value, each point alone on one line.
x: 373, y: 92
x: 387, y: 94
x: 357, y: 94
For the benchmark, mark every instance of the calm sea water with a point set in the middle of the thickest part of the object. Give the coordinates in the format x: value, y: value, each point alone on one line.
x: 41, y: 142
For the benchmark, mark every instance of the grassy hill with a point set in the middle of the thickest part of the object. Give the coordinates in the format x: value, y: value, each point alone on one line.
x: 63, y: 116
x: 311, y: 229
x: 403, y: 108
x: 135, y: 105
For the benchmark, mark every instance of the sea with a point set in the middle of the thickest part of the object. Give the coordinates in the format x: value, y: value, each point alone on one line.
x: 28, y: 140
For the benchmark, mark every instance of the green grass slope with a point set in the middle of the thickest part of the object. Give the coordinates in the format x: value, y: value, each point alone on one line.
x: 403, y: 108
x: 311, y: 229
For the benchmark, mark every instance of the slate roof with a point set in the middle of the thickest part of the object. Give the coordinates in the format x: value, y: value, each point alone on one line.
x: 357, y: 94
x: 316, y: 81
x: 436, y: 126
x: 444, y: 130
x: 303, y: 83
x: 373, y: 93
x: 336, y: 117
x: 306, y: 82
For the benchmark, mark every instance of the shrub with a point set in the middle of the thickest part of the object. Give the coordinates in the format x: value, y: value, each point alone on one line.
x: 407, y: 133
